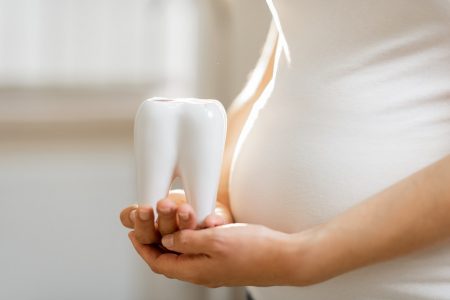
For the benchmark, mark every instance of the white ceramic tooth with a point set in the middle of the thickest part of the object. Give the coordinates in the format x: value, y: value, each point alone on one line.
x: 180, y: 137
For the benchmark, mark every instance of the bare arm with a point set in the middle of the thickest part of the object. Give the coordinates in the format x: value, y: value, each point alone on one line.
x: 407, y: 216
x: 410, y: 215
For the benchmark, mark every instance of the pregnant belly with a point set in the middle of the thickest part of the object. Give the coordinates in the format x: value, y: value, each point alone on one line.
x: 291, y: 174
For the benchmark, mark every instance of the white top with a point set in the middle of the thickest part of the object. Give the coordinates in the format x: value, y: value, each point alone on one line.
x: 364, y: 102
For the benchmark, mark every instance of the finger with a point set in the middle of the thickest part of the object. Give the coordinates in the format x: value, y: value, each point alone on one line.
x: 149, y: 253
x: 213, y: 221
x: 125, y: 216
x: 183, y: 267
x: 144, y: 226
x: 186, y: 217
x: 167, y: 221
x: 190, y: 241
x: 152, y: 254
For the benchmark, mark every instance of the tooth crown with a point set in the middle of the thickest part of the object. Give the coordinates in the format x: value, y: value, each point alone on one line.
x: 180, y: 138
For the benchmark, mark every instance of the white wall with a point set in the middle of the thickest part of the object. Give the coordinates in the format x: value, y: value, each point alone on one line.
x: 97, y: 42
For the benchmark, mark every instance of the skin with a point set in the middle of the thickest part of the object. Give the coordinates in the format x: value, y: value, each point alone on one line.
x: 406, y: 217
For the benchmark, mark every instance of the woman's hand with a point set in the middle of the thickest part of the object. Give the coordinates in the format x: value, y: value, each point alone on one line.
x: 229, y: 255
x: 173, y: 214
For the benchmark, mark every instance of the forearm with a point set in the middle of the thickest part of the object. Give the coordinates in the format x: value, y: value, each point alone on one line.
x: 407, y: 216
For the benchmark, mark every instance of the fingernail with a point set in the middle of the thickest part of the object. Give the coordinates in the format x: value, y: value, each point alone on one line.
x: 144, y: 215
x: 133, y: 215
x: 167, y: 241
x: 183, y: 216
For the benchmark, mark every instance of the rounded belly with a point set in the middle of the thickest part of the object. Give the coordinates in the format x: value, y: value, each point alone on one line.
x: 300, y: 167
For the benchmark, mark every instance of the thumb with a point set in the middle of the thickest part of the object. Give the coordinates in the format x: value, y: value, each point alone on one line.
x: 188, y: 241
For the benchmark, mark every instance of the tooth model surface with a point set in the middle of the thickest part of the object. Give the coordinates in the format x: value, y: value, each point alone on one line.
x: 180, y: 138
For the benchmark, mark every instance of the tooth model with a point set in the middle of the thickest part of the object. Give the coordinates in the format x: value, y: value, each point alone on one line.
x: 180, y: 138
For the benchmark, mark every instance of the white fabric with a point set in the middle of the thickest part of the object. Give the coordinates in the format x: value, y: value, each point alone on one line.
x: 364, y: 102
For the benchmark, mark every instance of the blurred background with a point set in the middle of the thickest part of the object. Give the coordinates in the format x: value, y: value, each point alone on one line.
x: 72, y: 74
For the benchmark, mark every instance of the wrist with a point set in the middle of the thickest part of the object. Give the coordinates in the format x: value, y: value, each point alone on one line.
x: 314, y: 256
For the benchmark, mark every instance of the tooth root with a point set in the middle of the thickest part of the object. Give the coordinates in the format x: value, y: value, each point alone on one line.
x: 155, y: 149
x: 203, y: 137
